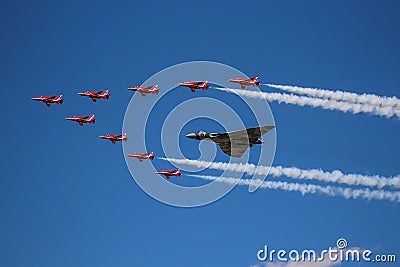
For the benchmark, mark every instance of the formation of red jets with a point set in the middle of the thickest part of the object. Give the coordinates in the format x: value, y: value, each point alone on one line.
x: 143, y: 90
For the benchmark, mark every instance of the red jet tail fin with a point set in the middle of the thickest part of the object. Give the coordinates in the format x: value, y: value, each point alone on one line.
x: 205, y: 85
x: 91, y: 119
x: 123, y: 137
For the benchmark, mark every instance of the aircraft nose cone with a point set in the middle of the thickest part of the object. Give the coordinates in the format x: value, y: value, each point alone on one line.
x: 191, y: 136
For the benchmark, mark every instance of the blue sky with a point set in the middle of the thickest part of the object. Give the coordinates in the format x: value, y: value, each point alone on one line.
x: 67, y: 197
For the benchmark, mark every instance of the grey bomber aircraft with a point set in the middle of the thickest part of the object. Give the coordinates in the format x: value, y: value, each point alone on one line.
x: 234, y: 143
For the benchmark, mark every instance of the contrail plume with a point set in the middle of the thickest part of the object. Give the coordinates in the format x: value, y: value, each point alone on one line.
x: 328, y: 104
x: 348, y: 193
x: 370, y: 99
x: 335, y: 176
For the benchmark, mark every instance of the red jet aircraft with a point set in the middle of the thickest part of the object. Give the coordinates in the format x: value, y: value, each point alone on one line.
x: 114, y: 138
x: 49, y: 99
x: 96, y: 95
x: 245, y: 82
x: 82, y: 119
x: 144, y: 90
x: 195, y: 85
x: 142, y: 157
x: 168, y: 173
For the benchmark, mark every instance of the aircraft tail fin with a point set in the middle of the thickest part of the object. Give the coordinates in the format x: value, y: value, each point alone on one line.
x: 91, y: 118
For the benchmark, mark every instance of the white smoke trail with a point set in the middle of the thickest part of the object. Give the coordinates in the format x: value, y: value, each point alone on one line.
x: 295, y: 173
x: 345, y: 107
x: 310, y: 188
x: 371, y: 99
